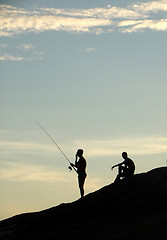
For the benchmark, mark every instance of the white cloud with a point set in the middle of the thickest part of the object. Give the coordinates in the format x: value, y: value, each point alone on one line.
x: 129, y: 23
x: 26, y: 46
x: 7, y: 57
x: 141, y: 25
x: 90, y: 49
x: 94, y: 20
x: 15, y: 22
x: 103, y: 13
x: 151, y: 6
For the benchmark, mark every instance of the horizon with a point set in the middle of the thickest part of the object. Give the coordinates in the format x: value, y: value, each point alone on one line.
x: 93, y: 74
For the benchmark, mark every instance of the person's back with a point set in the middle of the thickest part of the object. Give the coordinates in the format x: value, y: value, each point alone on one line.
x: 130, y: 164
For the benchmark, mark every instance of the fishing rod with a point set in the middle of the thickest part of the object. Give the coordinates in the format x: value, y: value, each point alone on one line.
x: 56, y: 145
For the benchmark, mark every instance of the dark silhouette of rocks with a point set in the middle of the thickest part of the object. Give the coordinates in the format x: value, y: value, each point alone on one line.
x: 131, y: 209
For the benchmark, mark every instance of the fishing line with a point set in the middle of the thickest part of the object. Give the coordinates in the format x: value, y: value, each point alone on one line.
x: 54, y: 143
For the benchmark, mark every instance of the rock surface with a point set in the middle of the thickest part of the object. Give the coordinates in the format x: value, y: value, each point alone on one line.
x: 131, y: 209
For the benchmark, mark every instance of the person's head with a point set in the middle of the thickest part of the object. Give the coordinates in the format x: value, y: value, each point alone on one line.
x: 124, y: 155
x: 79, y: 152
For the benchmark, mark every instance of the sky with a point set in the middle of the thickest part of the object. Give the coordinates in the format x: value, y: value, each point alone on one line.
x: 93, y: 74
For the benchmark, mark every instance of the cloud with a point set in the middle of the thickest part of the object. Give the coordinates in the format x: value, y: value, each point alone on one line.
x: 26, y: 47
x: 143, y: 15
x: 141, y: 25
x: 93, y: 184
x: 103, y: 13
x: 12, y: 170
x: 17, y: 147
x: 90, y: 49
x: 94, y: 148
x: 3, y: 45
x: 16, y: 21
x: 28, y: 53
x: 7, y: 57
x: 136, y: 146
x: 151, y: 6
x: 20, y: 172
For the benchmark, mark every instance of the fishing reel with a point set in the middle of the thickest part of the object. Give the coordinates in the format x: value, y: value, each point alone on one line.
x: 70, y: 168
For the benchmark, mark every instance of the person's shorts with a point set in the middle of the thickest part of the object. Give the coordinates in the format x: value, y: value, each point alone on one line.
x: 82, y: 175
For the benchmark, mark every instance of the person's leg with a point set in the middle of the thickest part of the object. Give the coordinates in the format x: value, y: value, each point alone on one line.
x: 81, y: 181
x: 120, y: 170
x: 117, y: 179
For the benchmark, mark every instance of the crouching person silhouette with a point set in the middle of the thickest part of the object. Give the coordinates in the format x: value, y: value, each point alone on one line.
x: 126, y: 168
x: 80, y: 165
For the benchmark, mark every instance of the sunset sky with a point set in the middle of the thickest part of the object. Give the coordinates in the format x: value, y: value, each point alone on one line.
x: 93, y: 73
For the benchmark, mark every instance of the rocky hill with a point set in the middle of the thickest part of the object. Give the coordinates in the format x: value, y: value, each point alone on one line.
x: 131, y: 209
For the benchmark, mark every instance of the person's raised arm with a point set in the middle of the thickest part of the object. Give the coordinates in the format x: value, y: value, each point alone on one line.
x: 76, y: 163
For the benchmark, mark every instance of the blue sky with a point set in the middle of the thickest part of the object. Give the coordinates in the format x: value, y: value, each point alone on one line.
x: 93, y: 73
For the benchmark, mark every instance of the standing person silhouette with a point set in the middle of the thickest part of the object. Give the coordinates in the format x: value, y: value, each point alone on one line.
x: 80, y: 165
x: 126, y: 168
